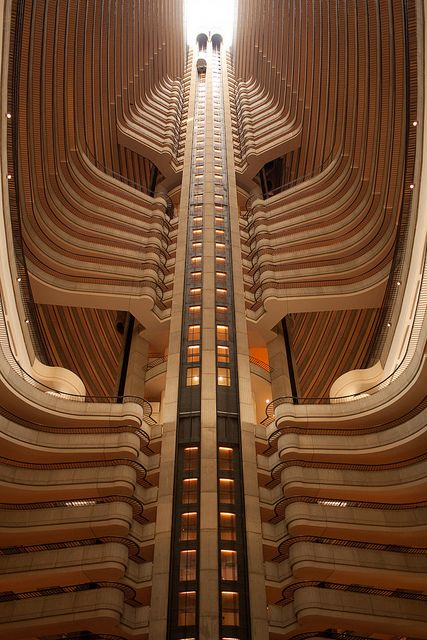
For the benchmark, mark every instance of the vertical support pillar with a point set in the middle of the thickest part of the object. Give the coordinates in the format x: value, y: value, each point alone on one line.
x: 137, y: 364
x: 254, y: 550
x: 208, y: 443
x: 278, y: 359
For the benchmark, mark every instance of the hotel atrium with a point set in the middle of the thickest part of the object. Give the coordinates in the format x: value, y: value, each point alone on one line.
x: 213, y: 331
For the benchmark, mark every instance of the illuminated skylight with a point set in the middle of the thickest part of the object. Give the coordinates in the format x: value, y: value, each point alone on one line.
x: 214, y: 16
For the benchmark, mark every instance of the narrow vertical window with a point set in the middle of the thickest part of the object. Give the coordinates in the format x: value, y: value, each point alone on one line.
x: 230, y: 608
x: 188, y: 526
x: 226, y: 491
x: 189, y: 490
x: 187, y: 565
x: 191, y: 459
x: 193, y: 376
x: 225, y: 458
x: 193, y: 353
x: 224, y: 377
x: 227, y: 525
x: 194, y: 332
x: 228, y: 564
x: 186, y: 608
x: 222, y: 332
x: 223, y: 353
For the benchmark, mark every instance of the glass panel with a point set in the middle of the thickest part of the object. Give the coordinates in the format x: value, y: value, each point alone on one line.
x: 222, y: 332
x: 226, y: 491
x: 194, y: 332
x: 228, y: 565
x: 193, y: 353
x: 230, y: 608
x: 225, y: 458
x: 188, y: 526
x: 193, y: 376
x: 191, y: 459
x: 187, y: 564
x: 186, y: 608
x: 224, y: 377
x: 223, y: 353
x: 189, y: 490
x: 227, y: 525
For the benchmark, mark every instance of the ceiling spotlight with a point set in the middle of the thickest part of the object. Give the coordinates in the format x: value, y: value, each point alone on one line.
x: 27, y: 321
x: 398, y: 283
x: 411, y: 186
x: 267, y: 401
x: 19, y: 279
x: 8, y: 115
x: 415, y: 122
x: 389, y: 324
x: 9, y: 176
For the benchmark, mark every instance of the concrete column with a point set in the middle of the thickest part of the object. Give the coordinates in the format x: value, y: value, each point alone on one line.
x: 280, y: 379
x: 256, y: 577
x: 138, y: 358
x: 208, y: 612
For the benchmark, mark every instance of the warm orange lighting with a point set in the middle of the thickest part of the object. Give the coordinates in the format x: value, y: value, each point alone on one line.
x: 194, y: 332
x: 222, y: 332
x: 193, y: 353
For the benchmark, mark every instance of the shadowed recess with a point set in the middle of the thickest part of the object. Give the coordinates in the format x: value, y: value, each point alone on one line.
x: 87, y: 342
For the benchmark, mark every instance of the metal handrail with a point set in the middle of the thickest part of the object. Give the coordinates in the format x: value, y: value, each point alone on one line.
x: 261, y: 364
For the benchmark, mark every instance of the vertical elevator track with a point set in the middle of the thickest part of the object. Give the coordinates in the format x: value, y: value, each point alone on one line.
x: 184, y: 588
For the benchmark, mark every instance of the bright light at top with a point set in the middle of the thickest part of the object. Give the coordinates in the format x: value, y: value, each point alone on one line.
x: 214, y: 16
